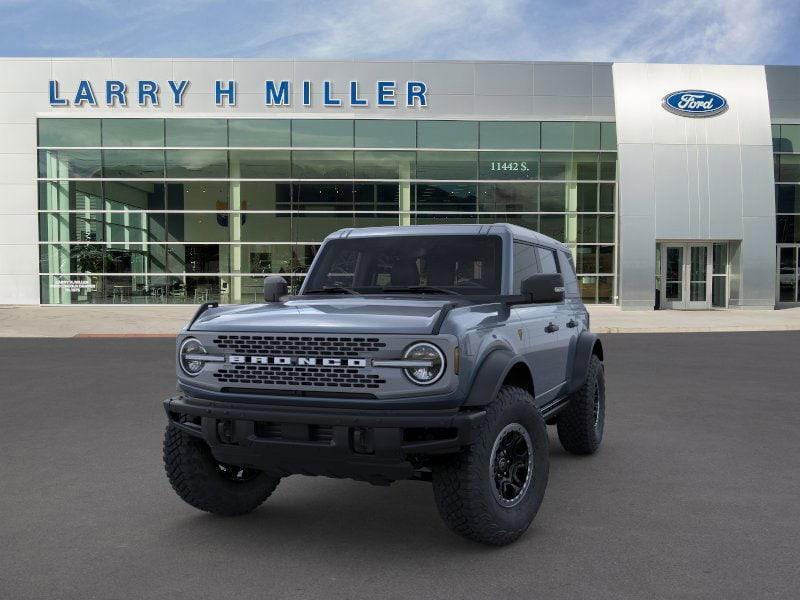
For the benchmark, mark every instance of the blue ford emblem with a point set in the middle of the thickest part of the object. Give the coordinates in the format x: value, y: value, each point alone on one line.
x: 695, y: 103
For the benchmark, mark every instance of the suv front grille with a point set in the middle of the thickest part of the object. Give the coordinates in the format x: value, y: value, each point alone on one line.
x: 285, y: 375
x: 298, y: 345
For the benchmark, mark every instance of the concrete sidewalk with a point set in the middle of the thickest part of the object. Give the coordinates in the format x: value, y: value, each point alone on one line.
x: 166, y: 321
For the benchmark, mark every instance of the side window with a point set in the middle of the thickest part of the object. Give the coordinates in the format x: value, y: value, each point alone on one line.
x: 525, y: 264
x: 547, y: 259
x: 568, y: 269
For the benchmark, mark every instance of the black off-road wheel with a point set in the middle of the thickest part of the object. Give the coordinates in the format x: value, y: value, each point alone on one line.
x: 203, y: 482
x: 580, y: 425
x: 491, y: 490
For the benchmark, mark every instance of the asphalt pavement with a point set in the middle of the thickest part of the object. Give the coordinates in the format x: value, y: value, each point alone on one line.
x: 694, y: 494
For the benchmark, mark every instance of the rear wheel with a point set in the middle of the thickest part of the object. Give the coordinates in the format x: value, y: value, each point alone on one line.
x: 205, y: 483
x: 581, y: 423
x: 491, y: 491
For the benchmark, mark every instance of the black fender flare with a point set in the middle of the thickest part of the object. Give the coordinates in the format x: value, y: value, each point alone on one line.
x: 588, y: 344
x: 491, y: 374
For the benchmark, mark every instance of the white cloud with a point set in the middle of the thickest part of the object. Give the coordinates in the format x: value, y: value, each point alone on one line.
x: 713, y: 31
x: 735, y: 31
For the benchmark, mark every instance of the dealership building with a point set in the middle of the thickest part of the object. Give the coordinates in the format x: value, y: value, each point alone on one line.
x: 159, y: 181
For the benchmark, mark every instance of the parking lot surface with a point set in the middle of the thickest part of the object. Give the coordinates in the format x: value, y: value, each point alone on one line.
x: 694, y: 493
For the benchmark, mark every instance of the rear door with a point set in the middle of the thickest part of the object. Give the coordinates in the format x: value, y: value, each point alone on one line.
x: 561, y: 318
x: 537, y: 328
x: 575, y: 311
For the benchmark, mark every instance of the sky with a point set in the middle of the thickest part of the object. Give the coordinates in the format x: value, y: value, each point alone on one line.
x: 680, y: 31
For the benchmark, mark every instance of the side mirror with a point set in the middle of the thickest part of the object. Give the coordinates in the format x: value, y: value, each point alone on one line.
x: 544, y: 288
x: 275, y: 286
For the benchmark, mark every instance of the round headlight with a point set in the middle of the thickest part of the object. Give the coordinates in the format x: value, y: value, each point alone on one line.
x: 188, y: 357
x: 425, y: 353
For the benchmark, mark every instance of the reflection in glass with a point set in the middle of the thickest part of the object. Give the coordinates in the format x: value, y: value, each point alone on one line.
x: 556, y: 165
x: 322, y: 164
x: 197, y: 164
x: 132, y: 164
x: 259, y: 133
x: 70, y: 195
x: 447, y: 134
x: 133, y: 132
x: 461, y: 197
x: 65, y: 133
x: 385, y: 164
x: 511, y: 197
x: 447, y: 165
x: 553, y: 197
x: 260, y: 164
x: 509, y: 134
x: 323, y: 197
x: 383, y: 133
x: 587, y: 197
x: 322, y: 133
x: 197, y: 133
x: 64, y: 164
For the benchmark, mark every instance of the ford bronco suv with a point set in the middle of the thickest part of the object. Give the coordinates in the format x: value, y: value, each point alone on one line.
x: 436, y: 353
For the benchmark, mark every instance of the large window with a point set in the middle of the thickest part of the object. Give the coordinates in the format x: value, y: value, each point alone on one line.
x: 184, y: 210
x: 786, y: 148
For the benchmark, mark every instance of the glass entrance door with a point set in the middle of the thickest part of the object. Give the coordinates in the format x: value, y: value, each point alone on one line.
x: 686, y: 275
x: 788, y: 274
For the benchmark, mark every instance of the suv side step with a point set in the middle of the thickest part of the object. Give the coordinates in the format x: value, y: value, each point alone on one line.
x: 554, y: 407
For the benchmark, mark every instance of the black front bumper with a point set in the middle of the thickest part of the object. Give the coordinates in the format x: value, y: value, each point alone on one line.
x: 375, y: 445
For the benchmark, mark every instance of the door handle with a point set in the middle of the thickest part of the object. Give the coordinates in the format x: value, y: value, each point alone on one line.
x: 551, y: 328
x: 572, y: 323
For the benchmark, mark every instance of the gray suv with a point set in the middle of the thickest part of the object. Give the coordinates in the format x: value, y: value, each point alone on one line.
x: 436, y: 353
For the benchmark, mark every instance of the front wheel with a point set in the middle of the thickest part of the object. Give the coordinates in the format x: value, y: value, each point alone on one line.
x: 491, y: 491
x: 205, y: 483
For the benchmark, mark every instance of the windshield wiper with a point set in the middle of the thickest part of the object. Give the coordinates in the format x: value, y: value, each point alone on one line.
x: 419, y: 289
x: 334, y: 289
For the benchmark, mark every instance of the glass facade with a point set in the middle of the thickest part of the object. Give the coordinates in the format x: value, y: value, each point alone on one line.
x: 192, y: 210
x: 786, y: 148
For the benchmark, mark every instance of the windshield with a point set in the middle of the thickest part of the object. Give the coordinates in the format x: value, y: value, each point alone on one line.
x: 461, y: 264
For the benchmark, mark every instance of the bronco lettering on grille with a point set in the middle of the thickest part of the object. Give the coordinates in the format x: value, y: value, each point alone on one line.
x: 300, y: 361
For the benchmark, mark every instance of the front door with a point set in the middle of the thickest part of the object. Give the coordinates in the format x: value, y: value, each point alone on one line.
x: 686, y: 275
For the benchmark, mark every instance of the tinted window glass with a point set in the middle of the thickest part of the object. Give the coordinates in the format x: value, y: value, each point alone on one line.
x: 608, y: 136
x: 373, y: 133
x: 260, y: 164
x: 133, y: 132
x: 525, y: 264
x: 568, y: 270
x: 322, y: 133
x: 69, y: 132
x: 197, y: 163
x: 547, y: 260
x: 509, y: 134
x: 447, y: 134
x: 385, y: 164
x: 62, y: 164
x: 466, y: 264
x: 197, y: 132
x: 587, y: 136
x: 272, y: 133
x: 133, y: 163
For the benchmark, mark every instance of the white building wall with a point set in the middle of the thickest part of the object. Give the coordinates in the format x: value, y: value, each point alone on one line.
x: 695, y: 178
x: 456, y: 89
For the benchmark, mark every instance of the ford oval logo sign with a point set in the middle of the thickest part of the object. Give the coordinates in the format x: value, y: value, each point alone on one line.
x: 695, y: 103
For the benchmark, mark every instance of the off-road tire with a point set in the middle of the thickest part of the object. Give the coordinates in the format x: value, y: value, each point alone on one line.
x: 580, y: 429
x: 463, y: 483
x: 197, y: 478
